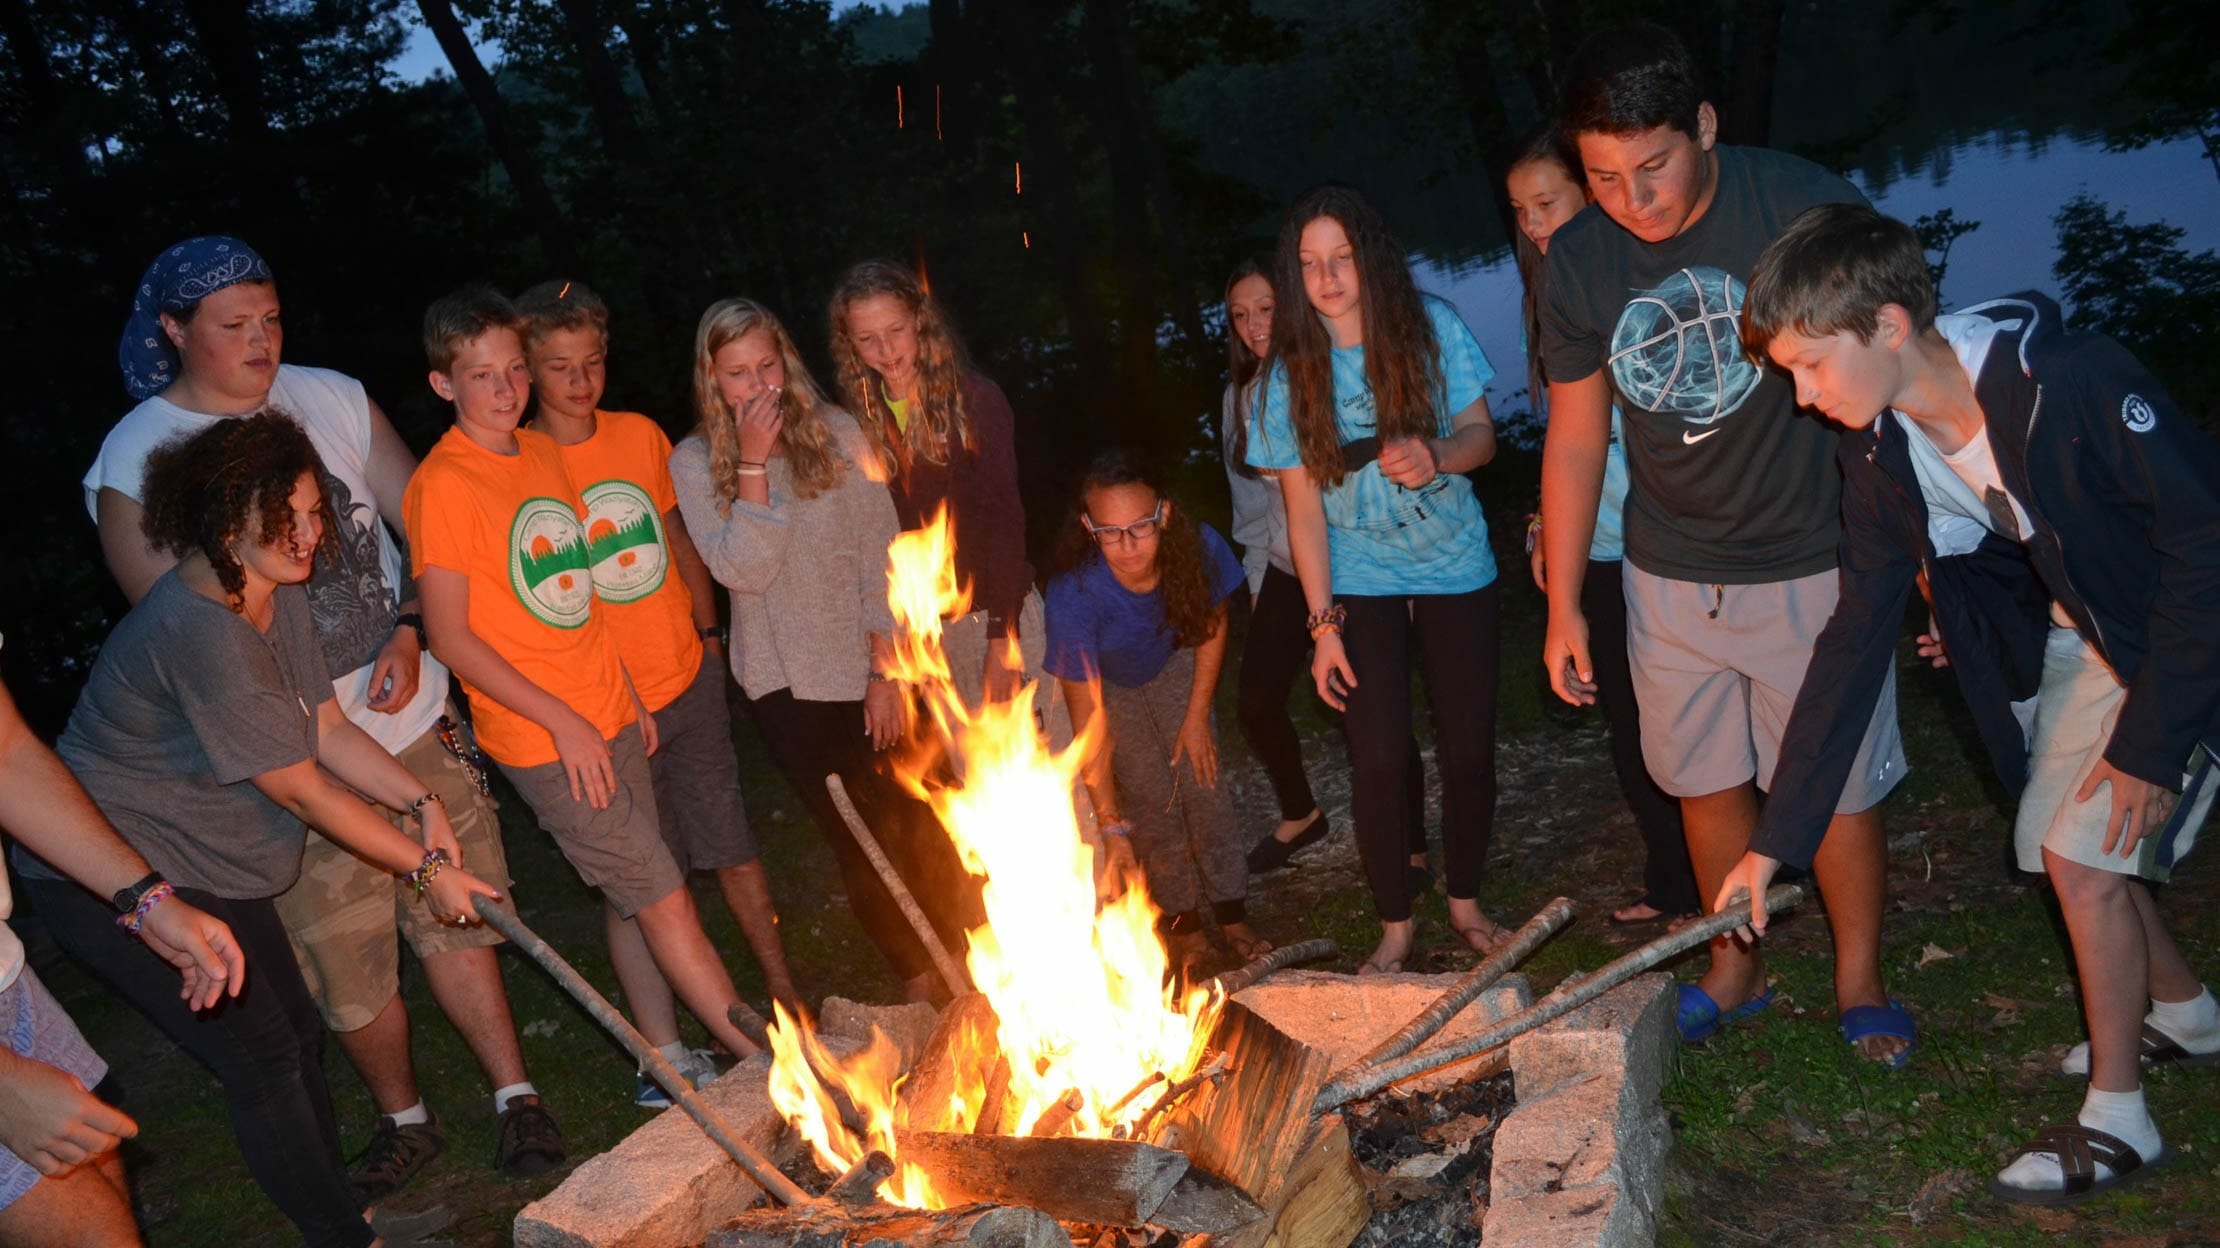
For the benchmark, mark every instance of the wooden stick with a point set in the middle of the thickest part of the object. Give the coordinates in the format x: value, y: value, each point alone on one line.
x: 1285, y: 956
x: 1545, y: 923
x: 749, y: 1023
x: 1058, y: 1115
x: 951, y: 973
x: 1364, y: 1082
x: 713, y: 1124
x: 860, y: 1185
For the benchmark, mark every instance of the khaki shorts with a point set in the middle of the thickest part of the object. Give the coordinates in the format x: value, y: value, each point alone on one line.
x: 697, y: 776
x: 2077, y: 705
x: 343, y: 913
x: 618, y: 850
x: 33, y: 1025
x: 1716, y: 672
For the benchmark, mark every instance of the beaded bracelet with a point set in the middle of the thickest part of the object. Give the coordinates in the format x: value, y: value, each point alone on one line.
x: 427, y: 871
x: 1117, y: 827
x: 416, y: 808
x: 1330, y: 620
x: 131, y: 922
x: 757, y: 471
x: 1533, y: 531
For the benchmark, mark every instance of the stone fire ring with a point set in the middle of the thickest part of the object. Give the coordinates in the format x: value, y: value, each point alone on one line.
x: 1579, y: 1162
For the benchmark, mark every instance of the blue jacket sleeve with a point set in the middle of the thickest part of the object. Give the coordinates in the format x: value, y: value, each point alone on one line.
x: 1849, y: 665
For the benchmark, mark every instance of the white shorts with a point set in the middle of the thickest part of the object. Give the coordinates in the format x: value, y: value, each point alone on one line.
x: 1716, y: 672
x: 2075, y: 709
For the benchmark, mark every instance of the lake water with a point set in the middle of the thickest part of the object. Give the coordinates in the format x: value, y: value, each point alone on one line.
x: 2012, y: 187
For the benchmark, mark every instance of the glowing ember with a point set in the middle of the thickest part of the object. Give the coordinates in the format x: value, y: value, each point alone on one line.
x: 1077, y: 987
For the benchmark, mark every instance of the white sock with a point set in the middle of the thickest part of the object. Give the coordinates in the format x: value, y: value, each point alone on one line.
x: 2194, y: 1024
x: 2121, y: 1114
x: 414, y: 1116
x: 503, y: 1095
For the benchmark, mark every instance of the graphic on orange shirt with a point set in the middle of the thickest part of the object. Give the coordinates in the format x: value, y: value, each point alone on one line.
x: 548, y: 565
x: 624, y: 541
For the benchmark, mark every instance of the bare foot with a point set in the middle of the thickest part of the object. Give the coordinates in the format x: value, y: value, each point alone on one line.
x: 1289, y: 829
x: 1481, y: 933
x: 1397, y: 940
x: 1246, y: 944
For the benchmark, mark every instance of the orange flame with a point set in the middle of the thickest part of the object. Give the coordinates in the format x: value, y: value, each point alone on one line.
x: 1077, y: 985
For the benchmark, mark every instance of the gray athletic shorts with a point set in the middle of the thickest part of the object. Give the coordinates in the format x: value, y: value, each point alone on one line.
x: 33, y: 1024
x: 2075, y: 710
x: 697, y: 776
x: 1716, y: 672
x: 618, y: 850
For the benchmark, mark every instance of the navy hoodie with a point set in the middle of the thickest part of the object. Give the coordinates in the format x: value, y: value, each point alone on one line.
x: 2124, y: 495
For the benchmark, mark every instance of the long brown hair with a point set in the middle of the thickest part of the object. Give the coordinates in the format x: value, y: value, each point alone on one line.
x: 230, y: 482
x: 813, y: 458
x: 1402, y: 360
x: 1184, y: 582
x: 941, y: 415
x: 1243, y: 364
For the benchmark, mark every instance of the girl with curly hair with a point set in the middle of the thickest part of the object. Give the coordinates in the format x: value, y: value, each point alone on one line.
x: 1137, y: 628
x: 1372, y: 408
x: 781, y: 492
x: 209, y: 735
x: 949, y: 438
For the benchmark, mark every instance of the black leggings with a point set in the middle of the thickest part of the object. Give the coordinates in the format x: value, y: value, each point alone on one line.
x: 1668, y: 882
x: 266, y: 1048
x: 811, y: 740
x: 1456, y: 637
x: 1275, y: 656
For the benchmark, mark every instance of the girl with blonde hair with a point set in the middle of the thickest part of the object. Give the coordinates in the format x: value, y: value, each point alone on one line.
x: 950, y: 439
x: 781, y: 492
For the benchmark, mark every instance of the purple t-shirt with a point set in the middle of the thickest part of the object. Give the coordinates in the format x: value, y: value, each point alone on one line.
x: 1097, y: 627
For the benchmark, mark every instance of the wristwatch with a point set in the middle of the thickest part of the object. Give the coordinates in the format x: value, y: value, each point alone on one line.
x: 712, y: 632
x: 415, y: 621
x: 127, y: 898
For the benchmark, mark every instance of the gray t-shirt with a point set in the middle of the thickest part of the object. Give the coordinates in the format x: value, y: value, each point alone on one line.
x: 1731, y: 483
x: 186, y: 705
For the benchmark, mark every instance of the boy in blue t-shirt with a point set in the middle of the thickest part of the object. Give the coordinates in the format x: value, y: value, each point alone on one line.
x: 1137, y: 626
x: 2075, y: 557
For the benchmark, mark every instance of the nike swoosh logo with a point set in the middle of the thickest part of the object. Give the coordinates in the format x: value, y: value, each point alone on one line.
x: 1691, y: 439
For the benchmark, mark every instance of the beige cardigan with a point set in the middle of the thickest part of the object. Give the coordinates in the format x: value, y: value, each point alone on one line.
x: 807, y: 576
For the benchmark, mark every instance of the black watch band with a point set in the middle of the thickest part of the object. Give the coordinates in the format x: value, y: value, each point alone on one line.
x: 127, y: 899
x: 415, y: 621
x: 712, y: 632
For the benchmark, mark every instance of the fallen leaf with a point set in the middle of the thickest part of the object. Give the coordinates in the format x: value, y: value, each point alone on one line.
x: 1931, y: 954
x: 1932, y: 1201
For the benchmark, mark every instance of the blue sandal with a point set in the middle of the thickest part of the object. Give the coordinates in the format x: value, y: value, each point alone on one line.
x: 1698, y: 1017
x: 1860, y: 1021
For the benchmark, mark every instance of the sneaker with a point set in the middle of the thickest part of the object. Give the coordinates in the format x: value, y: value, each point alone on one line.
x: 395, y: 1155
x: 698, y: 1066
x: 531, y: 1142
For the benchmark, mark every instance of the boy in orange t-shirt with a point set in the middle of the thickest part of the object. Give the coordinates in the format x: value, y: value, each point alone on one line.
x: 661, y: 609
x: 502, y: 562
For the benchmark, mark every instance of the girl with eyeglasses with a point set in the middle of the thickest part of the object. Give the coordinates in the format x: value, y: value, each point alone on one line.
x: 1137, y: 630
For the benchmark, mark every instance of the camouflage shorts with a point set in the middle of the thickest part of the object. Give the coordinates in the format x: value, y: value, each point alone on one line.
x: 343, y: 913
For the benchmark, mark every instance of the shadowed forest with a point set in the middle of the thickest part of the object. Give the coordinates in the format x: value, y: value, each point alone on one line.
x: 1074, y: 178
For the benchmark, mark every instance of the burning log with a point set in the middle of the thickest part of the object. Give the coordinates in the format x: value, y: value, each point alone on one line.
x: 1105, y: 1182
x: 1249, y: 1127
x: 1570, y: 995
x: 860, y: 1186
x: 1059, y: 1115
x: 951, y: 973
x: 832, y: 1226
x: 958, y: 1055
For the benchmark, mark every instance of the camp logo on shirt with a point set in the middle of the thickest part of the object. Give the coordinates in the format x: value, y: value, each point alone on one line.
x: 624, y: 541
x: 1678, y: 348
x: 547, y: 563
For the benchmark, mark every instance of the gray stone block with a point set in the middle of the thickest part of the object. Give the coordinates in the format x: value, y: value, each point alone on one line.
x: 1344, y: 1016
x: 1582, y: 1217
x: 908, y: 1026
x: 666, y: 1184
x: 1628, y: 1029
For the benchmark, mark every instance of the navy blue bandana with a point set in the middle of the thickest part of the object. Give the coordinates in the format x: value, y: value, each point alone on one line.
x: 179, y: 278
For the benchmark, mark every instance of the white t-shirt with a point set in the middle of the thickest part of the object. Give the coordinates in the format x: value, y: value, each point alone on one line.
x: 356, y: 595
x: 1965, y: 492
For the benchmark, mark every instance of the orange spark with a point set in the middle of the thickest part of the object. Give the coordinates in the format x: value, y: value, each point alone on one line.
x: 898, y: 106
x: 1020, y: 168
x: 936, y: 112
x: 1027, y: 235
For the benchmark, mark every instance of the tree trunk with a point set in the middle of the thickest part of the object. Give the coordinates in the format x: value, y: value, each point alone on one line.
x: 612, y: 108
x: 1467, y: 34
x: 642, y: 37
x: 227, y: 41
x: 1750, y: 71
x: 515, y: 157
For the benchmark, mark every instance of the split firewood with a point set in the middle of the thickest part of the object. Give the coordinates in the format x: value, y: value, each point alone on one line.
x: 959, y: 1054
x: 1249, y: 1127
x: 1106, y: 1182
x: 820, y: 1225
x: 996, y: 1101
x: 1202, y: 1204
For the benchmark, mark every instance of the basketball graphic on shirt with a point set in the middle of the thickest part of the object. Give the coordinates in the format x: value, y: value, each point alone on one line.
x: 624, y: 541
x: 1678, y: 347
x: 547, y: 563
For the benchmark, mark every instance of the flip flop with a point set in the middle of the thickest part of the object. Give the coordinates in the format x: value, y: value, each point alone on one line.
x: 1860, y: 1021
x: 1698, y: 1018
x: 1484, y: 940
x: 2078, y: 1149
